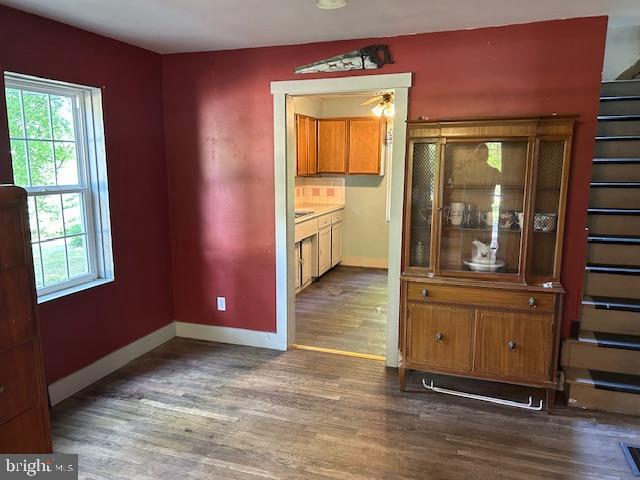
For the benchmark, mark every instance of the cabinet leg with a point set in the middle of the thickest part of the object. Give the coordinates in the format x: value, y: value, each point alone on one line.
x: 402, y: 374
x: 550, y: 399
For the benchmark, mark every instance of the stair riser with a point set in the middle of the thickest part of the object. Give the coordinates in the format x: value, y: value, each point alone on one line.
x: 612, y: 254
x: 618, y: 89
x: 620, y: 107
x: 592, y: 357
x: 586, y: 396
x: 608, y: 128
x: 604, y: 197
x: 617, y: 148
x: 614, y: 224
x: 612, y: 321
x: 615, y: 172
x: 612, y: 285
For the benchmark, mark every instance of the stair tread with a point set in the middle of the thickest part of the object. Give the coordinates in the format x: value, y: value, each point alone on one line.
x: 614, y: 239
x: 613, y: 211
x: 610, y: 340
x: 611, y: 303
x: 617, y: 382
x: 610, y: 160
x: 613, y: 269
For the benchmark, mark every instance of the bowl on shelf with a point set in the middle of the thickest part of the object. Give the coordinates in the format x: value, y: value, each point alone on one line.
x: 484, y: 267
x: 545, y: 222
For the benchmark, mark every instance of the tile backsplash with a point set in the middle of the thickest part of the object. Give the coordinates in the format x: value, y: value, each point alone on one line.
x: 319, y: 190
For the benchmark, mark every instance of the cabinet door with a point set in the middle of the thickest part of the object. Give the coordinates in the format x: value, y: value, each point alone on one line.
x: 296, y: 266
x: 336, y: 243
x: 365, y: 145
x: 332, y: 146
x: 305, y: 256
x: 324, y: 250
x: 439, y: 336
x: 302, y: 145
x: 312, y: 146
x: 515, y: 345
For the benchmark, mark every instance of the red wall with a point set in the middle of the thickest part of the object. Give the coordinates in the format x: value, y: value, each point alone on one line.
x: 79, y: 329
x: 219, y: 143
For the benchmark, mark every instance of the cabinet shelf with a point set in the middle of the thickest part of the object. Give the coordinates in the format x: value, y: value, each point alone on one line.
x: 486, y: 187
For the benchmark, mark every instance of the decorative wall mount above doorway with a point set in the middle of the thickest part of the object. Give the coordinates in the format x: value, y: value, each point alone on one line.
x: 367, y: 58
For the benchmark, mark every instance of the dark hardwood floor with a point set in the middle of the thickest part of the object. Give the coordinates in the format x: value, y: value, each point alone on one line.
x: 201, y: 410
x: 346, y: 309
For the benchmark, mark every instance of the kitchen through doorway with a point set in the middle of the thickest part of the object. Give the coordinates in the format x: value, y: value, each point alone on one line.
x: 343, y: 148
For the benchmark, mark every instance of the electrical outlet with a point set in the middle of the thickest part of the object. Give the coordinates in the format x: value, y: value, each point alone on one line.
x: 222, y: 304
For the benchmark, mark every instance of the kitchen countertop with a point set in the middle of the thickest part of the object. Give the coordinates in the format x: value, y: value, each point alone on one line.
x: 317, y: 210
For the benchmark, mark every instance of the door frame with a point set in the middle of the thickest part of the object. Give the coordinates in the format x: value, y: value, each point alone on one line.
x: 284, y: 186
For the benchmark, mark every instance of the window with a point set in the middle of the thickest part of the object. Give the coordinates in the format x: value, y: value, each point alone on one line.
x: 58, y: 157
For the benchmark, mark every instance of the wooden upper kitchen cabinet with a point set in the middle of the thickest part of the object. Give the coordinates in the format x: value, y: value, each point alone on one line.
x: 482, y: 252
x: 306, y: 145
x: 24, y: 417
x: 366, y: 141
x: 332, y: 145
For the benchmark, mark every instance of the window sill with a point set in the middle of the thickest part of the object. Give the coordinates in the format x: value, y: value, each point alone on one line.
x: 74, y: 289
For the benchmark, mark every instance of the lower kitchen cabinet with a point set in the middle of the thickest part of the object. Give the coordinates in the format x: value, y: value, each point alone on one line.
x: 336, y: 243
x: 297, y: 260
x: 306, y: 260
x: 324, y: 250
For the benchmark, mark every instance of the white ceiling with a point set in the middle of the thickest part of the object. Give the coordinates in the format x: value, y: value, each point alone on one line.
x: 171, y: 26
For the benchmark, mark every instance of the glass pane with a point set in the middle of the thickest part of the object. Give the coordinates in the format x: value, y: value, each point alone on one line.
x: 36, y: 115
x: 14, y: 113
x: 545, y: 217
x: 72, y: 210
x: 77, y: 254
x: 54, y: 261
x: 33, y: 223
x: 41, y: 165
x: 483, y: 199
x: 62, y: 117
x: 19, y: 162
x: 49, y: 214
x: 422, y: 183
x: 66, y: 163
x: 37, y: 265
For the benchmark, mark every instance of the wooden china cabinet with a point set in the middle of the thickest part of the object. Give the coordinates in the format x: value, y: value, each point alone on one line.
x: 484, y: 219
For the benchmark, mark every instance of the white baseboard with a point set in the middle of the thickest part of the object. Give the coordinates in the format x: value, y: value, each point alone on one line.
x: 236, y: 336
x: 364, y: 262
x: 67, y: 386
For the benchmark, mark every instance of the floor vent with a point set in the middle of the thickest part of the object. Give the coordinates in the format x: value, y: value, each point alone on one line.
x: 632, y: 454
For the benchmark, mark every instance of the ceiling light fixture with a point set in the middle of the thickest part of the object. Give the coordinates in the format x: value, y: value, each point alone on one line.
x: 330, y: 4
x: 385, y: 107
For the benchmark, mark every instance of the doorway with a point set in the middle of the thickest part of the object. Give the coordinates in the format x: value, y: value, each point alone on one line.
x: 284, y: 154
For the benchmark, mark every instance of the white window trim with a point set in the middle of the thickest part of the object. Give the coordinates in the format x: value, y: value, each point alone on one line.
x: 94, y: 176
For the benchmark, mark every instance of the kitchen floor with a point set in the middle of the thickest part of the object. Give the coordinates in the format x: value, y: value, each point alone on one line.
x: 200, y: 410
x: 346, y: 309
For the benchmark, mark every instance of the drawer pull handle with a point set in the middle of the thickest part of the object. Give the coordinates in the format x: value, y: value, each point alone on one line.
x: 532, y: 302
x: 2, y: 388
x: 425, y: 292
x: 511, y: 345
x: 439, y: 337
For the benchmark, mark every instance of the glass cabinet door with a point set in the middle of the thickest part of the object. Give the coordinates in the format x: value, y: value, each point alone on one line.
x: 423, y: 170
x: 546, y: 208
x: 482, y: 206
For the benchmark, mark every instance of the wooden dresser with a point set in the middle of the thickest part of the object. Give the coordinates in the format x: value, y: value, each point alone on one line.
x: 484, y: 220
x: 24, y: 417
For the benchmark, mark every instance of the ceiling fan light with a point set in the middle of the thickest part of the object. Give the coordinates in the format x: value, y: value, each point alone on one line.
x: 379, y: 109
x: 330, y: 4
x: 390, y: 110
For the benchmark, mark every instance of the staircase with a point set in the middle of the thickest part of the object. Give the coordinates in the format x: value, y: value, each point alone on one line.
x: 602, y: 366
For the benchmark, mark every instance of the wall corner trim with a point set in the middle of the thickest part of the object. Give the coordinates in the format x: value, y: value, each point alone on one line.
x: 67, y: 386
x: 235, y: 336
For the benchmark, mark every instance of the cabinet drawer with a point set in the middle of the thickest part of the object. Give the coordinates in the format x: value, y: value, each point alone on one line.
x: 16, y: 307
x: 337, y: 216
x: 26, y: 433
x: 305, y: 229
x: 421, y: 292
x: 18, y: 380
x: 515, y: 345
x: 324, y: 221
x: 439, y: 336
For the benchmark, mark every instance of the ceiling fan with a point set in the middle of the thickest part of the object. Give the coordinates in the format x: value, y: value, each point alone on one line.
x: 383, y: 104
